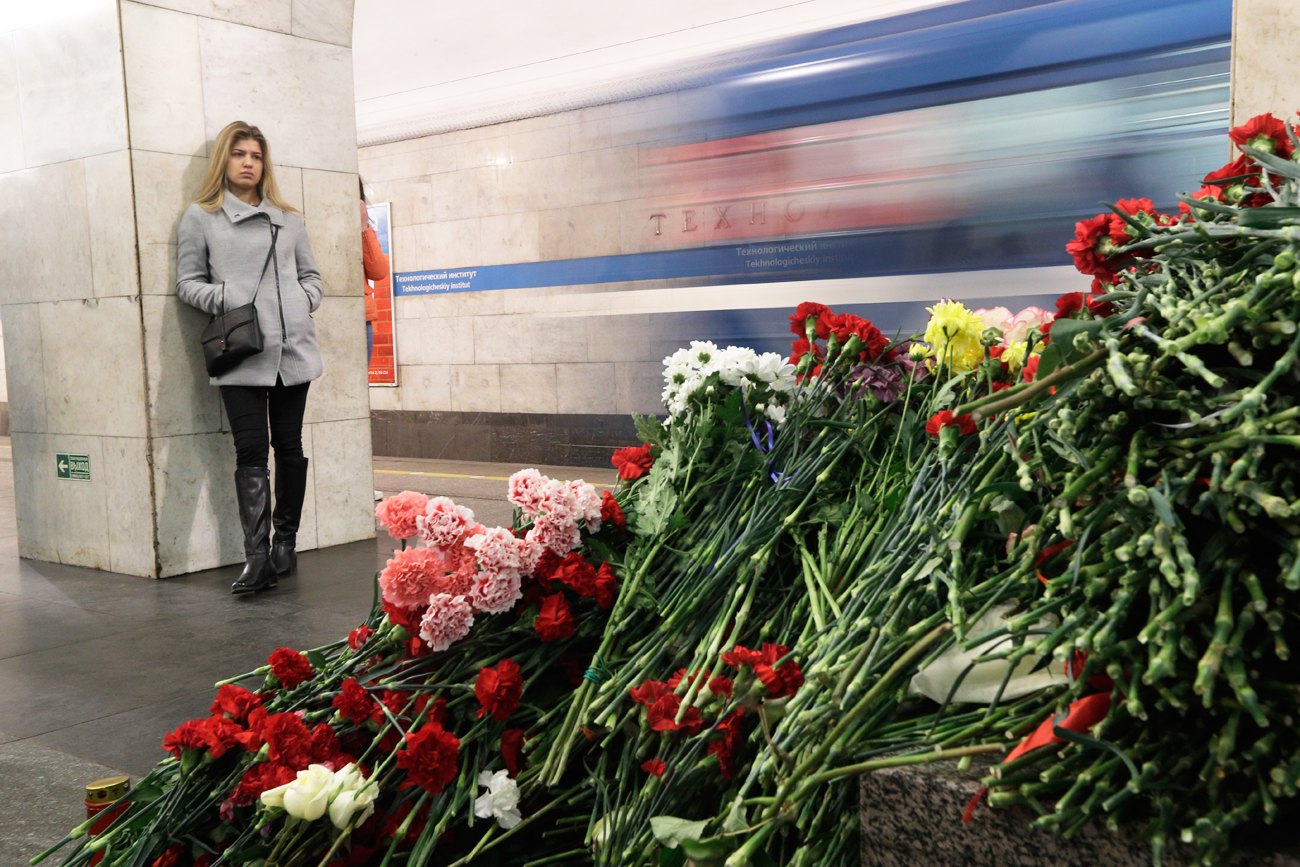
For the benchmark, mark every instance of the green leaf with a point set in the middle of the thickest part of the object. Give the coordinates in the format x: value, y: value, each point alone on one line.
x: 1063, y: 334
x: 706, y: 854
x: 317, y: 659
x: 147, y: 792
x: 672, y: 858
x: 735, y: 820
x: 671, y: 831
x: 249, y: 854
x: 649, y: 429
x: 1275, y: 164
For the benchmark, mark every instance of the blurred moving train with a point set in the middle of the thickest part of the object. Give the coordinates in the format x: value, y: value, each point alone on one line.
x: 946, y: 152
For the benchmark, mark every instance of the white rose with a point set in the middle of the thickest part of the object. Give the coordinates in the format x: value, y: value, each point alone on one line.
x: 308, y: 796
x: 501, y: 800
x: 358, y: 803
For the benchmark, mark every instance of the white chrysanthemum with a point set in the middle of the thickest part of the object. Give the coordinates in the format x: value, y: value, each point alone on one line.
x: 775, y: 413
x: 706, y: 356
x: 500, y: 801
x: 735, y: 361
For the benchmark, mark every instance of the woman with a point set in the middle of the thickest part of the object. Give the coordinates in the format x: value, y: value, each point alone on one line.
x: 237, y: 226
x: 375, y: 263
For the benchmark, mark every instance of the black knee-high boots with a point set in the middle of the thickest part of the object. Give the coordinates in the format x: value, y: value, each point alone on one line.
x: 253, y: 492
x: 290, y: 487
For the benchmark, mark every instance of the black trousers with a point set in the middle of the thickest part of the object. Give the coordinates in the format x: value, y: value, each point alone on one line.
x: 250, y: 407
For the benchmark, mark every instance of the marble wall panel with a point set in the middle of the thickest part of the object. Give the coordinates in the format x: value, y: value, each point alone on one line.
x: 585, y: 388
x: 340, y: 393
x: 460, y: 304
x: 397, y: 147
x: 556, y: 338
x: 165, y: 185
x: 532, y: 144
x: 157, y: 269
x: 297, y: 90
x: 452, y: 196
x: 396, y: 166
x: 37, y: 534
x: 390, y: 397
x: 406, y: 248
x: 638, y: 387
x: 528, y: 388
x: 444, y: 340
x: 610, y: 175
x: 475, y: 388
x: 618, y: 338
x: 194, y: 503
x: 586, y: 230
x: 128, y: 505
x: 44, y: 234
x: 508, y: 238
x: 163, y: 79
x: 71, y: 85
x: 453, y: 244
x: 344, y: 489
x: 24, y: 367
x: 265, y: 14
x: 289, y: 180
x: 506, y: 188
x: 110, y: 203
x: 425, y: 387
x: 94, y: 377
x: 557, y: 181
x: 502, y: 340
x: 180, y: 399
x: 435, y: 160
x: 589, y: 131
x: 323, y: 20
x: 331, y: 208
x: 1263, y: 76
x: 11, y: 108
x: 488, y: 150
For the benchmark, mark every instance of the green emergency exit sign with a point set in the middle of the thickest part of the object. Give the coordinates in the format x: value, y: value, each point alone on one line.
x: 73, y: 467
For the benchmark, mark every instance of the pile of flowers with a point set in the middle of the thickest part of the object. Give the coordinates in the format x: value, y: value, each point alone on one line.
x: 1073, y: 533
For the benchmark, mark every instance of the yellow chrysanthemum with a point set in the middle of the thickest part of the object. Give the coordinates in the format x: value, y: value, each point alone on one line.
x: 954, y: 333
x: 1014, y: 356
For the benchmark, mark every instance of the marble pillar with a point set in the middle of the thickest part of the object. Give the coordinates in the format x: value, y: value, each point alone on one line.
x: 107, y: 113
x: 1263, y: 59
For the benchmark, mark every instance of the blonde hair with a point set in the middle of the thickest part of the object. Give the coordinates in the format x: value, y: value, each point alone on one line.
x: 214, y: 179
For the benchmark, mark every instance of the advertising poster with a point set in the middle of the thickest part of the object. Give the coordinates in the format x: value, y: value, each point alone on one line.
x: 383, y: 360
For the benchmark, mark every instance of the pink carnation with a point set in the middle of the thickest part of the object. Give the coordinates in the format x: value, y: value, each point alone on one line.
x: 398, y: 513
x: 559, y: 539
x: 526, y: 490
x: 443, y: 524
x: 589, y: 503
x: 447, y: 621
x: 559, y: 505
x: 409, y: 578
x: 1030, y: 319
x: 496, y: 592
x: 496, y: 549
x: 996, y: 317
x: 462, y: 571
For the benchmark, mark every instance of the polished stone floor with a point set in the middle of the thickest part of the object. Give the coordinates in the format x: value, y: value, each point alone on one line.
x: 95, y: 667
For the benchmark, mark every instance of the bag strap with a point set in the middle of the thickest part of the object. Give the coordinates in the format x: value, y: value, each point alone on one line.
x: 270, y: 255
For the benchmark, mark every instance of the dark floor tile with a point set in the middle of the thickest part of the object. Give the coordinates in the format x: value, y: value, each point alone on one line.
x: 31, y: 625
x: 42, y: 799
x: 102, y: 740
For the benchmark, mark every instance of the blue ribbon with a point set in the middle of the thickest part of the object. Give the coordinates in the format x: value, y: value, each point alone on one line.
x: 758, y: 444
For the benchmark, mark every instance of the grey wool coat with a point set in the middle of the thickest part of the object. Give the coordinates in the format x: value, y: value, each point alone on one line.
x: 222, y: 253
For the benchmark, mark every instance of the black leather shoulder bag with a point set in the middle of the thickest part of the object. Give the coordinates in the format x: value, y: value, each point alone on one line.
x: 235, y: 335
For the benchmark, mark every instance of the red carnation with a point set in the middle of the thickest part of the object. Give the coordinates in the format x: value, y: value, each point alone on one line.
x: 805, y: 311
x: 574, y: 667
x: 632, y: 462
x: 171, y: 857
x: 354, y: 703
x: 326, y: 749
x: 498, y: 690
x: 654, y: 766
x: 287, y: 739
x: 725, y: 747
x: 663, y: 716
x: 578, y: 574
x: 610, y: 512
x: 649, y: 692
x: 290, y: 667
x: 358, y: 637
x: 800, y: 348
x: 738, y: 656
x: 721, y: 686
x: 677, y: 678
x: 606, y: 586
x: 221, y: 734
x: 1120, y: 232
x: 941, y: 420
x: 260, y: 777
x: 1265, y: 133
x: 512, y: 745
x: 189, y: 735
x: 874, y: 342
x: 555, y: 620
x: 1091, y: 247
x: 407, y: 618
x: 235, y: 701
x: 1030, y: 370
x: 430, y: 757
